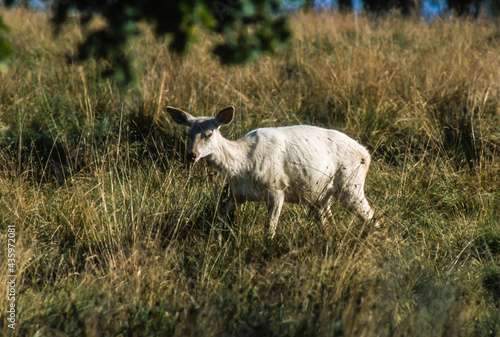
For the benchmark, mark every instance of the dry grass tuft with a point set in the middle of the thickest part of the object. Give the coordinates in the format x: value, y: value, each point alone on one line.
x: 116, y: 232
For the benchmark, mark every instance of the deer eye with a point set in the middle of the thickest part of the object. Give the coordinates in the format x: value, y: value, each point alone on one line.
x: 207, y: 134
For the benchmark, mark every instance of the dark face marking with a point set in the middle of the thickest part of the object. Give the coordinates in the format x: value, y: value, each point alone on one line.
x: 199, y: 135
x: 201, y: 126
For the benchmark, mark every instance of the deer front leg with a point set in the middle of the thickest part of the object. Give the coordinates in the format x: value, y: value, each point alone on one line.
x: 325, y: 212
x: 275, y: 203
x: 227, y: 205
x: 225, y: 214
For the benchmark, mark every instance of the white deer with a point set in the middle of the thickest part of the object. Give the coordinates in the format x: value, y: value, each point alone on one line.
x: 295, y: 164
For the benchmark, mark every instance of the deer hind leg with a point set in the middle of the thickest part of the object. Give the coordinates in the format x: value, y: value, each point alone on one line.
x: 352, y: 194
x: 325, y: 213
x: 275, y: 204
x: 360, y: 206
x: 353, y: 197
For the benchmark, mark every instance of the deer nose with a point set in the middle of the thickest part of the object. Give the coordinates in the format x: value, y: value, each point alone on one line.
x: 191, y: 156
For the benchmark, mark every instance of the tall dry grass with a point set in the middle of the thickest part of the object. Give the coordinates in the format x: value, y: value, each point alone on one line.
x: 116, y: 232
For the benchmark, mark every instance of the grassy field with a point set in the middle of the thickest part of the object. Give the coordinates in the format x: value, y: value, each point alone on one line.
x: 116, y: 232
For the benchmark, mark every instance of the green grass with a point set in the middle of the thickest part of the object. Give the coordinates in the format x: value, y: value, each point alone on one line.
x: 116, y: 234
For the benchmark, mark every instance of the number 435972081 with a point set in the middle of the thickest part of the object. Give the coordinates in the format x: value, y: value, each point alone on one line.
x: 11, y: 248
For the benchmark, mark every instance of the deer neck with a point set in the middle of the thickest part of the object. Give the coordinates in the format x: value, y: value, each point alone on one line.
x: 231, y: 157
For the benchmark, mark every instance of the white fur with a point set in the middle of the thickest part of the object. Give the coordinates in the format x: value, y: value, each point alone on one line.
x: 294, y: 164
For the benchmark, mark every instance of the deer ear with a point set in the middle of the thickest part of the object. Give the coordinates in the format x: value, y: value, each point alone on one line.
x: 225, y: 116
x: 180, y: 117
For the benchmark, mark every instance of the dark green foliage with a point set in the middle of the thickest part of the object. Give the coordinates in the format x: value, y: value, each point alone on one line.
x: 249, y: 28
x: 345, y: 5
x: 465, y: 7
x: 381, y: 6
x: 5, y: 48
